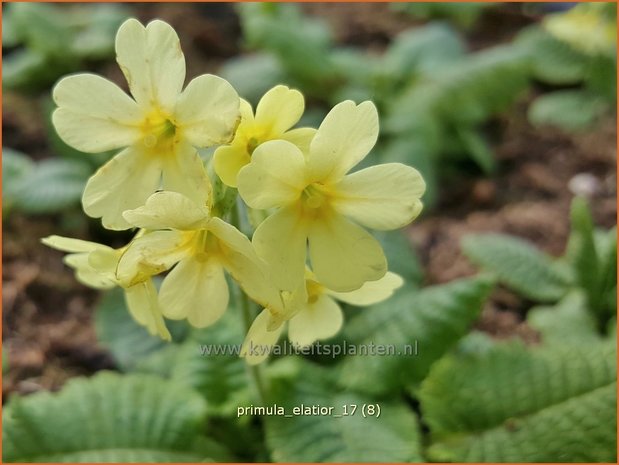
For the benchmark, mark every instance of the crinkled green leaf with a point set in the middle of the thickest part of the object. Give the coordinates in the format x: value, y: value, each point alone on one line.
x: 467, y: 92
x: 130, y: 344
x: 423, y: 49
x: 518, y: 405
x: 553, y: 61
x: 391, y: 437
x: 518, y: 264
x: 221, y: 377
x: 53, y: 185
x: 568, y: 109
x: 567, y: 322
x: 15, y: 166
x: 107, y: 418
x: 430, y: 321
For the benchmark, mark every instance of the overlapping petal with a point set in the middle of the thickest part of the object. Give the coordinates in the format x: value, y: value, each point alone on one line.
x: 279, y: 109
x: 86, y: 274
x: 275, y: 177
x: 344, y: 255
x: 382, y: 197
x: 151, y: 254
x: 228, y: 161
x: 239, y: 258
x: 195, y: 289
x: 207, y: 111
x: 372, y: 291
x: 69, y: 244
x: 184, y: 172
x: 79, y: 260
x: 168, y: 210
x: 301, y: 137
x: 152, y: 61
x: 144, y: 307
x: 320, y: 319
x: 94, y: 115
x: 281, y: 240
x: 260, y: 340
x: 123, y: 183
x: 344, y: 138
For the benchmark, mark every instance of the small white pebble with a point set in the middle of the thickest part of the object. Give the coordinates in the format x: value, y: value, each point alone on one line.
x: 584, y: 184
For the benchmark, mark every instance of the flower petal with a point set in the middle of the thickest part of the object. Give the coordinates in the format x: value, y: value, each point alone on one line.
x: 344, y: 138
x: 69, y: 244
x: 228, y: 161
x: 371, y: 292
x: 275, y: 177
x: 240, y: 260
x: 151, y: 254
x: 381, y: 197
x: 281, y: 240
x: 86, y: 274
x: 167, y: 209
x: 105, y: 261
x: 279, y: 109
x: 152, y: 61
x: 196, y: 290
x: 184, y: 172
x: 259, y: 340
x: 94, y: 114
x: 344, y: 255
x: 123, y: 183
x: 144, y: 308
x: 301, y: 137
x: 247, y: 112
x: 318, y: 320
x: 207, y: 111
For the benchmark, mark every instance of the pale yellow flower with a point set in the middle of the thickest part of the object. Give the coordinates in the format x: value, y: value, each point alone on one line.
x: 319, y: 318
x: 278, y: 110
x: 159, y: 128
x: 95, y: 266
x: 586, y: 27
x: 202, y: 247
x: 317, y: 201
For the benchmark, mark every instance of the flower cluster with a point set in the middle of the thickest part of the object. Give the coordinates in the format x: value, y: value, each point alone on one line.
x: 298, y: 181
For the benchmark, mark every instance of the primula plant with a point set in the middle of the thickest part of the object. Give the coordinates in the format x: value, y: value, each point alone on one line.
x: 249, y: 219
x: 309, y: 248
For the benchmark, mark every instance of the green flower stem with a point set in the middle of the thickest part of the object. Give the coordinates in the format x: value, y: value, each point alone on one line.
x: 255, y: 371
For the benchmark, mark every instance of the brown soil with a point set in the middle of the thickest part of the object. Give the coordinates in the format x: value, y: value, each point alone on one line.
x: 529, y: 197
x: 47, y: 328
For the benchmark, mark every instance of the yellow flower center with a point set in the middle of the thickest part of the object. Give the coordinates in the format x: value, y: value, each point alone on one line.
x: 314, y: 290
x: 252, y: 143
x: 314, y: 196
x: 158, y: 130
x: 206, y: 246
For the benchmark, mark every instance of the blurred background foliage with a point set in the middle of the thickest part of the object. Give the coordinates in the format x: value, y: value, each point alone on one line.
x: 510, y: 295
